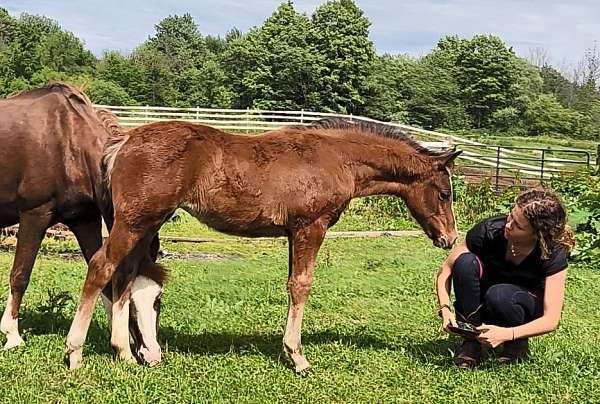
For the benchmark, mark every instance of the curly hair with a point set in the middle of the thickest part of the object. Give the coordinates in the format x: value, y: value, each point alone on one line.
x: 547, y: 215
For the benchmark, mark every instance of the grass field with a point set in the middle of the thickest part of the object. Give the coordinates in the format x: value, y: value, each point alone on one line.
x: 370, y: 332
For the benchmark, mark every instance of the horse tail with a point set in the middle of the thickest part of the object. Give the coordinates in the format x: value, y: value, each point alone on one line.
x: 116, y: 139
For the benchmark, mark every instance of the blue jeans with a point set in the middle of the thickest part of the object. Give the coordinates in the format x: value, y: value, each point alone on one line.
x: 479, y: 299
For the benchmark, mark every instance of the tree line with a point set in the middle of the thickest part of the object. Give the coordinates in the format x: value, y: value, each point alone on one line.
x: 322, y: 62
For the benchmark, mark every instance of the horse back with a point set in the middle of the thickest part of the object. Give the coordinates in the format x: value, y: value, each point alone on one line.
x: 250, y: 185
x: 51, y: 149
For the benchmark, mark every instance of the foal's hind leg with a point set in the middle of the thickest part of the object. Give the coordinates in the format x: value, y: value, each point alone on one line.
x: 103, y: 265
x: 303, y: 247
x: 89, y: 236
x: 122, y: 282
x: 32, y: 228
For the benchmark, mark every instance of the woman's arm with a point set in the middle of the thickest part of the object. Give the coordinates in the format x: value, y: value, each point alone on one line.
x: 553, y: 302
x: 443, y: 282
x: 554, y: 295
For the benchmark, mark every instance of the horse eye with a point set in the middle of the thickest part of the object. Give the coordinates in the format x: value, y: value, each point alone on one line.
x: 445, y: 195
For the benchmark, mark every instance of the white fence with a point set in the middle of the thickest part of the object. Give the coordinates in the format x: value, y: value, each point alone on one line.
x: 511, y: 161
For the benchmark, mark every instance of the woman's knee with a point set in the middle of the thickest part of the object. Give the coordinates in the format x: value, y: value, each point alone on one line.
x: 467, y: 265
x: 498, y: 296
x: 501, y: 305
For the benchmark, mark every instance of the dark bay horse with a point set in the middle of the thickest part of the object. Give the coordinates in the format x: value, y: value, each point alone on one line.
x: 292, y: 182
x: 52, y: 141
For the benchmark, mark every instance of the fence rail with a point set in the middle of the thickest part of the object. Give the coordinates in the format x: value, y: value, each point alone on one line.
x: 501, y: 163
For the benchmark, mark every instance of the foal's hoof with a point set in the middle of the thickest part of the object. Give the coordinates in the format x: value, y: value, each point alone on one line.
x: 148, y: 357
x: 301, y: 365
x: 13, y: 342
x: 73, y: 359
x: 127, y: 358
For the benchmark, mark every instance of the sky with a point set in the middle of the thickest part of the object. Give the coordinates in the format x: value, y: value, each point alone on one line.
x: 563, y: 28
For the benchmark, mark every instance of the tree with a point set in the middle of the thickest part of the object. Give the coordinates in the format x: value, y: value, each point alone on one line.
x: 108, y: 93
x: 62, y: 51
x: 8, y: 27
x: 276, y: 66
x: 435, y: 96
x: 553, y: 82
x: 179, y: 41
x: 341, y: 36
x: 125, y: 72
x: 158, y: 77
x: 546, y: 115
x: 207, y: 86
x: 23, y: 52
x: 538, y: 57
x: 487, y: 73
x: 387, y: 93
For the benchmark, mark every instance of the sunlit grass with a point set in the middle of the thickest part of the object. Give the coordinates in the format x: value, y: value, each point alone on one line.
x: 370, y: 332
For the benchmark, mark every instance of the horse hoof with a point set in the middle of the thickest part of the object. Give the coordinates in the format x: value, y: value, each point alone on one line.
x: 73, y: 360
x: 303, y: 369
x: 12, y: 343
x: 150, y: 358
x: 127, y: 358
x: 301, y: 365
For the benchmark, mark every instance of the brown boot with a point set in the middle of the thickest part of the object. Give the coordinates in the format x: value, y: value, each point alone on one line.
x: 468, y: 354
x: 514, y: 351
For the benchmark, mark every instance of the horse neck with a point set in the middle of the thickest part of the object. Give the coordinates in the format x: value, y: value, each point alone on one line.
x: 389, y: 167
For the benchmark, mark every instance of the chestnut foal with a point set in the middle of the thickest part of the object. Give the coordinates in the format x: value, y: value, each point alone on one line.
x: 292, y: 182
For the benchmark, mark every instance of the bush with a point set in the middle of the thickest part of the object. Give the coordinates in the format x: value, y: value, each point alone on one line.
x: 546, y: 115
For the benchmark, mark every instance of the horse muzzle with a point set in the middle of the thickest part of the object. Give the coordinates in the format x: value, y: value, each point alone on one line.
x: 444, y: 242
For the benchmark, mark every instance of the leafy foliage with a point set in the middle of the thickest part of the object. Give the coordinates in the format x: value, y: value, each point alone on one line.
x: 322, y: 62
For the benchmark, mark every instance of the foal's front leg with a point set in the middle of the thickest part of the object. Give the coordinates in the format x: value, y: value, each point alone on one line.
x: 303, y: 247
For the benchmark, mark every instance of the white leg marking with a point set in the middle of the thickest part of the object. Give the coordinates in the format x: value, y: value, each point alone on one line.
x: 143, y: 295
x: 10, y: 326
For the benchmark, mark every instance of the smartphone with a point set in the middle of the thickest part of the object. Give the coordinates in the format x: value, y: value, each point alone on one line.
x: 464, y: 330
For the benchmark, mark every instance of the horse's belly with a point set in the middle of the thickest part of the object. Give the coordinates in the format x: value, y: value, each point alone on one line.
x: 238, y: 222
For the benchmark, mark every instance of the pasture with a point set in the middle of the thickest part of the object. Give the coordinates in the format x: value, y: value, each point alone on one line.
x: 370, y: 332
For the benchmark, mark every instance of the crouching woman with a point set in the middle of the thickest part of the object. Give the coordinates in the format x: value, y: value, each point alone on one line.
x: 509, y: 277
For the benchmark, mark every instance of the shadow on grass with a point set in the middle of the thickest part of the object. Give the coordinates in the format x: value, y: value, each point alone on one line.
x: 39, y: 322
x: 438, y: 352
x: 270, y: 345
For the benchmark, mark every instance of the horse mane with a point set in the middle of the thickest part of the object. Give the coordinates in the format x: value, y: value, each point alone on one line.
x: 372, y: 128
x: 110, y: 122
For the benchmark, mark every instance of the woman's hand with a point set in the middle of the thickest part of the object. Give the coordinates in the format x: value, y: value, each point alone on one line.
x: 493, y: 335
x: 447, y: 319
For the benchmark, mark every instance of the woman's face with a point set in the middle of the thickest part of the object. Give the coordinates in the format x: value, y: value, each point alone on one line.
x: 518, y: 227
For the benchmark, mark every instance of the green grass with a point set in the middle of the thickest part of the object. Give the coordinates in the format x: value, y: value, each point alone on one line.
x: 555, y: 141
x: 356, y: 218
x: 370, y: 332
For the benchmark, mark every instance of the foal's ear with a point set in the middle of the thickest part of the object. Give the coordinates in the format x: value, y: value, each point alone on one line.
x: 447, y: 159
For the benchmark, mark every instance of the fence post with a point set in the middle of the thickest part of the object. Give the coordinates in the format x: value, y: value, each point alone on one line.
x: 146, y: 113
x: 497, y: 168
x: 197, y: 113
x: 302, y: 115
x: 247, y: 117
x: 542, y: 165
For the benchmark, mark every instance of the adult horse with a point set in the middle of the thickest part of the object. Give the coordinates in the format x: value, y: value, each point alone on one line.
x: 50, y: 159
x: 292, y: 182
